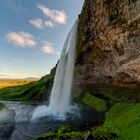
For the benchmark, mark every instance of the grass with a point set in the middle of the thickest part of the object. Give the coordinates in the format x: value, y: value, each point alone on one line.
x: 94, y: 102
x: 12, y: 83
x: 31, y: 91
x: 25, y: 92
x: 125, y: 117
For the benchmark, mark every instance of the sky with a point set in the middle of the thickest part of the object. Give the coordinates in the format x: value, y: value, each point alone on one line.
x: 32, y: 34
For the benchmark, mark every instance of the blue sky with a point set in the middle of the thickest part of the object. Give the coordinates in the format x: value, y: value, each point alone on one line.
x: 32, y: 34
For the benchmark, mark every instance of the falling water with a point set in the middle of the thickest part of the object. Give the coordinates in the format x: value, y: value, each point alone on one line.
x: 60, y: 100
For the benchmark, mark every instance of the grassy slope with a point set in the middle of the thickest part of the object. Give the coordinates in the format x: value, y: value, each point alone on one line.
x: 125, y: 117
x: 31, y: 91
x: 12, y: 83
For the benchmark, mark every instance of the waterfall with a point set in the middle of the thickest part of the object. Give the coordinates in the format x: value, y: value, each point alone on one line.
x: 60, y: 99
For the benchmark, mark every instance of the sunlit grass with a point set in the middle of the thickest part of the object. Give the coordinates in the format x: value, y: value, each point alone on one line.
x: 12, y: 83
x: 125, y: 117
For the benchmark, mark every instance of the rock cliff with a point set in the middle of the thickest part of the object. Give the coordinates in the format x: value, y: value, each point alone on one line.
x: 108, y: 47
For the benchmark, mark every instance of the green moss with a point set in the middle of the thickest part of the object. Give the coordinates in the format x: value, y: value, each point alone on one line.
x: 65, y: 129
x: 96, y: 103
x: 2, y: 106
x: 104, y: 133
x: 66, y: 136
x: 64, y: 133
x: 124, y: 117
x: 46, y: 136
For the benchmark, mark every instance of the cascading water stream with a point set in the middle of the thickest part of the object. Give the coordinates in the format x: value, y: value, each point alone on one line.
x: 60, y: 100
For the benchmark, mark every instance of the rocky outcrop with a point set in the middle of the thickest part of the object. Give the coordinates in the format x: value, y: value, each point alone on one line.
x: 108, y: 46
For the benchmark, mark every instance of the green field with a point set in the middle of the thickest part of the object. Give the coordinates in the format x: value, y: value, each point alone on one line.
x: 11, y: 83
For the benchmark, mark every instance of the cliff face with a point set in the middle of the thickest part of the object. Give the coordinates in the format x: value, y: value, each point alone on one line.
x: 108, y: 45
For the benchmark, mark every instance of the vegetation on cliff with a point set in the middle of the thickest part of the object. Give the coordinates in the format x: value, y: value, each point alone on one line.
x: 32, y: 91
x: 94, y: 102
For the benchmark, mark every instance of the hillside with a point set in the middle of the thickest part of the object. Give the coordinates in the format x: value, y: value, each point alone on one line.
x: 36, y: 90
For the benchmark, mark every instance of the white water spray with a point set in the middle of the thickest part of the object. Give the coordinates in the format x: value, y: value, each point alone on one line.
x: 60, y: 100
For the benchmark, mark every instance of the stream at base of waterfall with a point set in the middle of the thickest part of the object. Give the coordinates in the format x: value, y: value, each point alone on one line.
x: 16, y: 123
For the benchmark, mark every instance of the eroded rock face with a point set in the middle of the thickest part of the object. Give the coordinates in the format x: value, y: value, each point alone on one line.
x: 108, y: 44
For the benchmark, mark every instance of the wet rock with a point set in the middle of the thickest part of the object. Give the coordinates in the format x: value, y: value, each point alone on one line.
x: 7, y: 123
x: 18, y: 135
x: 89, y: 136
x: 6, y: 130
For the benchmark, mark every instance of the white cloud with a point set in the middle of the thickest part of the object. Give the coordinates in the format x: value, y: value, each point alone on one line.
x: 21, y: 39
x: 38, y: 23
x: 49, y: 24
x: 48, y: 48
x: 58, y: 16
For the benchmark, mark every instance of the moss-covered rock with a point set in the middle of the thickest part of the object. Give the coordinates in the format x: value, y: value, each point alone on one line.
x: 68, y: 133
x: 64, y: 133
x: 103, y: 133
x: 94, y: 102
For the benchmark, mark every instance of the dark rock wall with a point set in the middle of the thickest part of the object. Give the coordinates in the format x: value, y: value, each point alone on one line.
x: 108, y: 45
